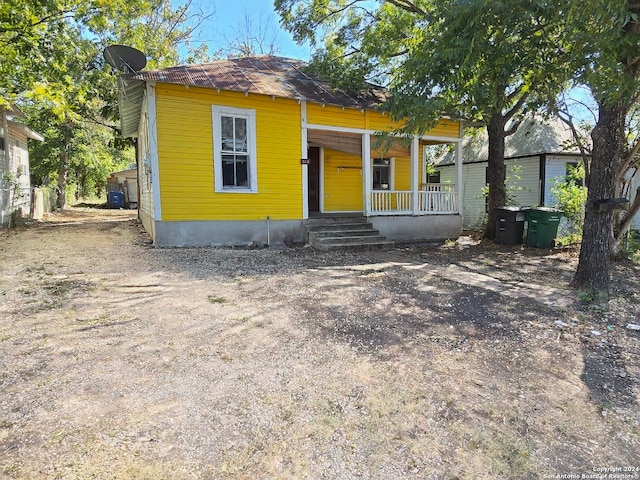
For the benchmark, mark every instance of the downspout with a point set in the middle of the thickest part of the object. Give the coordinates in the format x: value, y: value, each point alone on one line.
x: 137, y: 154
x: 152, y: 133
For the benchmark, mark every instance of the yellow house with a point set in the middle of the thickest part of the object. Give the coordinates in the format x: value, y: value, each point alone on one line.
x: 247, y: 150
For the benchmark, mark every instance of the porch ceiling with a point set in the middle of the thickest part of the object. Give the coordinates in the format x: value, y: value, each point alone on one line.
x: 343, y: 142
x: 352, y: 143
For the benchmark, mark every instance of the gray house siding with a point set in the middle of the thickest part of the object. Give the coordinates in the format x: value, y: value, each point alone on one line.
x: 529, y: 180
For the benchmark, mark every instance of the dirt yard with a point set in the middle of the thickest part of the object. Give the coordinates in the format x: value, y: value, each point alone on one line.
x: 458, y: 361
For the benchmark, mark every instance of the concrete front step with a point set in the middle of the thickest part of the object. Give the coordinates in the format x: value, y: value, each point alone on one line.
x: 345, y: 233
x: 317, y: 227
x: 357, y: 247
x: 336, y: 220
x: 349, y: 239
x: 358, y: 232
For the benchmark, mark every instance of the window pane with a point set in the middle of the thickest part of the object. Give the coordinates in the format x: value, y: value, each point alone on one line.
x: 227, y: 133
x: 241, y: 134
x: 381, y: 177
x: 242, y: 171
x: 228, y: 171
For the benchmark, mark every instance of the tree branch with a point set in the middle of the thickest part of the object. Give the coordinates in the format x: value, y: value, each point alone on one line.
x: 583, y: 153
x: 513, y: 127
x: 336, y: 12
x: 407, y: 6
x: 628, y: 161
x: 521, y: 101
x: 625, y: 224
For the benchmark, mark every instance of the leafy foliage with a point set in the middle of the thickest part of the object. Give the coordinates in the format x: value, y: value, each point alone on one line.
x: 570, y: 197
x: 51, y: 66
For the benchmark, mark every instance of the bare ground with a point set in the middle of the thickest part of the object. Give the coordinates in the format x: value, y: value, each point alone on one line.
x: 468, y: 360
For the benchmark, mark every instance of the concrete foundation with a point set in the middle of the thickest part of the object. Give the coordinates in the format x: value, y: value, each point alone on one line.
x: 419, y: 228
x: 226, y: 233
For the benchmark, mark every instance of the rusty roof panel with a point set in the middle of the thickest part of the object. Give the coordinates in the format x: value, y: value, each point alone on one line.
x: 266, y: 75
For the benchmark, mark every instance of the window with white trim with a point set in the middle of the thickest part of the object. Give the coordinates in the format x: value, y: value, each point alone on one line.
x: 234, y: 149
x: 382, y: 173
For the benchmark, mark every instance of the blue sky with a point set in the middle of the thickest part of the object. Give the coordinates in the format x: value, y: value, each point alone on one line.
x: 229, y: 14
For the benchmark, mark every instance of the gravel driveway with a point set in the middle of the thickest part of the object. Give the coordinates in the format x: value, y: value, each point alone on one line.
x: 119, y: 360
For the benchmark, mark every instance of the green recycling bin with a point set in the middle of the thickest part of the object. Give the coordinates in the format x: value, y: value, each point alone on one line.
x: 542, y: 226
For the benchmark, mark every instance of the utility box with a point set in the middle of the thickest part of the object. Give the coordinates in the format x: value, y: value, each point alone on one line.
x: 115, y: 200
x: 542, y: 226
x: 509, y: 225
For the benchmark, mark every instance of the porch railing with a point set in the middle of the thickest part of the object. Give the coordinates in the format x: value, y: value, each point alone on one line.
x: 391, y: 202
x: 435, y: 198
x: 438, y: 198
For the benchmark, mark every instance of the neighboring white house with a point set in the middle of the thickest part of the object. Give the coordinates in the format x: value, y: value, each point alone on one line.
x: 125, y: 181
x: 534, y: 158
x: 15, y: 186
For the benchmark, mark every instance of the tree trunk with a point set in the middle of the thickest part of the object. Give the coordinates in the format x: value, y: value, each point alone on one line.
x: 63, y: 172
x: 592, y: 274
x: 496, y: 172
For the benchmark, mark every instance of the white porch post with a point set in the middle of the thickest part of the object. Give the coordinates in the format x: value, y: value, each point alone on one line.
x: 304, y: 154
x: 366, y: 172
x: 459, y: 185
x: 415, y: 175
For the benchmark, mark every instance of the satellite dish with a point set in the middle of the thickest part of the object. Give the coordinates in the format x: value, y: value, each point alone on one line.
x: 127, y: 59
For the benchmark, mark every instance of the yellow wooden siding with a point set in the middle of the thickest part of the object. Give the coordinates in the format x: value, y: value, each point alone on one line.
x: 370, y: 120
x: 335, y: 116
x: 185, y: 151
x: 402, y: 173
x: 342, y: 182
x: 446, y: 128
x: 380, y: 122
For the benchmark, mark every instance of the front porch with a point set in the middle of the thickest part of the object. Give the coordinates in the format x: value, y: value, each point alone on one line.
x: 392, y: 178
x: 432, y: 199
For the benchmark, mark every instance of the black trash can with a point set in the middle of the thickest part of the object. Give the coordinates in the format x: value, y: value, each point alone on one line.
x: 542, y: 226
x: 509, y: 225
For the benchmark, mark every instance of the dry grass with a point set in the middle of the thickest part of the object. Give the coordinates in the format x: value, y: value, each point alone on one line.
x: 125, y: 361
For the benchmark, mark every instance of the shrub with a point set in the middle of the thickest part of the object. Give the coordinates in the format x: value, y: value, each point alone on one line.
x: 571, y: 196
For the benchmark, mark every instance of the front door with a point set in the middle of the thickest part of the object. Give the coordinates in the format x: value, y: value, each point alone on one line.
x: 313, y: 182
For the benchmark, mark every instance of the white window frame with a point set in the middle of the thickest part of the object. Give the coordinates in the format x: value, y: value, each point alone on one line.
x: 217, y: 112
x: 392, y: 175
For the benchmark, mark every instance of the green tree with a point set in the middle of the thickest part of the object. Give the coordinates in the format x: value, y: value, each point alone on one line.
x: 604, y: 54
x: 51, y: 65
x: 478, y: 60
